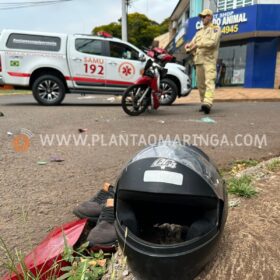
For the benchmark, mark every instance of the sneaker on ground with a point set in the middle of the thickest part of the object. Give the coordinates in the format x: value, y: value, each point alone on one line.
x: 103, y: 235
x: 91, y: 209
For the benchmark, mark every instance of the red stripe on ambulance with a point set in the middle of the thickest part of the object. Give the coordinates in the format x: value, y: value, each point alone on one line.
x: 77, y: 79
x: 21, y: 75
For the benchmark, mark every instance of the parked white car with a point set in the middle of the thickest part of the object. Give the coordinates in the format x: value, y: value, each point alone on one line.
x: 55, y: 64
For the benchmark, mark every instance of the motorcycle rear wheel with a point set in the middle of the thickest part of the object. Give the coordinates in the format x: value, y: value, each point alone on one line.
x: 130, y: 100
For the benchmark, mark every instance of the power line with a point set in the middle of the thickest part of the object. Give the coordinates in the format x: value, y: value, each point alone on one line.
x: 32, y: 2
x: 19, y: 5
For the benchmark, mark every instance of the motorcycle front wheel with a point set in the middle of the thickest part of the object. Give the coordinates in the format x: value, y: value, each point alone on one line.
x: 132, y: 102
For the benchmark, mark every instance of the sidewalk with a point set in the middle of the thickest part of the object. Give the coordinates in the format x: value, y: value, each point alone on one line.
x: 234, y: 94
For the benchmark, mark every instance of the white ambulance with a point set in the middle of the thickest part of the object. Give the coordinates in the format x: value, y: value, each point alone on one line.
x: 55, y: 64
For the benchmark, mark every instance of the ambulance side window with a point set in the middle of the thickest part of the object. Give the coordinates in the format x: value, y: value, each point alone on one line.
x: 90, y: 46
x: 33, y: 42
x: 119, y: 50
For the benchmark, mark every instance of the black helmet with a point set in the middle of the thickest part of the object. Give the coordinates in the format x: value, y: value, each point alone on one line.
x: 171, y: 208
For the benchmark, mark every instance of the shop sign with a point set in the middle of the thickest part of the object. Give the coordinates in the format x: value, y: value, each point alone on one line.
x: 228, y: 21
x: 241, y: 20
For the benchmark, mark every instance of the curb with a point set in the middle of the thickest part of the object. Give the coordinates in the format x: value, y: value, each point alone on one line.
x: 249, y: 100
x: 178, y: 102
x: 258, y: 169
x: 11, y: 94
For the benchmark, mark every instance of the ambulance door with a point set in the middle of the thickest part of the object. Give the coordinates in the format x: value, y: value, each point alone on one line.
x: 123, y: 65
x: 87, y: 63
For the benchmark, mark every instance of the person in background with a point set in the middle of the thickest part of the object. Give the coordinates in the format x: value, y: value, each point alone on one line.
x: 204, y: 46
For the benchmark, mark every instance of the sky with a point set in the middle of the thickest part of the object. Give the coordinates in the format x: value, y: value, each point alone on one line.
x: 75, y: 16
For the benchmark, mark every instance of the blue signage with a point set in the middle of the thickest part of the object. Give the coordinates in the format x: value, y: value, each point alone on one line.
x: 242, y: 20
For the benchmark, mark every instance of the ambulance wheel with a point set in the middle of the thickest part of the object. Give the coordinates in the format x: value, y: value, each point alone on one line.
x: 169, y: 92
x: 48, y: 90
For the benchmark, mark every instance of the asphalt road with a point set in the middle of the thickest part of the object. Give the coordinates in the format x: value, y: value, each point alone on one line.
x: 238, y: 125
x: 34, y: 197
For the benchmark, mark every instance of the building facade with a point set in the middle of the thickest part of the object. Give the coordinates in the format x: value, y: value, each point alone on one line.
x: 250, y: 43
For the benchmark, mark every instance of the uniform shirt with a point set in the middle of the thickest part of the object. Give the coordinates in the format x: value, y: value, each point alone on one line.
x: 207, y: 40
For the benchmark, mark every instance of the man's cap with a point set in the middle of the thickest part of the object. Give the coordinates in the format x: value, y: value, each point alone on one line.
x: 206, y: 12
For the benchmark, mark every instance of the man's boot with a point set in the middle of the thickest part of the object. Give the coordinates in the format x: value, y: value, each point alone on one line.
x: 91, y: 209
x: 104, y: 235
x: 206, y: 108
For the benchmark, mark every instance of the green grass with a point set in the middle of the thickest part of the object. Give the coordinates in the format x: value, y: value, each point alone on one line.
x: 274, y: 165
x: 247, y: 162
x: 241, y: 186
x: 14, y: 92
x: 82, y: 264
x: 237, y: 166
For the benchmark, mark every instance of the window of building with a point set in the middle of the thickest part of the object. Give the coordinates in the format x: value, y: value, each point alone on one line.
x: 180, y: 24
x: 213, y: 6
x: 224, y: 5
x: 90, y: 46
x: 120, y: 50
x: 187, y: 14
x: 231, y: 65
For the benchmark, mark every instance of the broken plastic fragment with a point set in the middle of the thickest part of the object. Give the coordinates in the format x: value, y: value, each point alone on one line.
x: 56, y: 159
x: 41, y: 162
x: 81, y: 130
x: 202, y: 120
x: 207, y: 120
x: 234, y: 202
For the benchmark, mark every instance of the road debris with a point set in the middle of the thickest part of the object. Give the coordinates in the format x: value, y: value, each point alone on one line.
x: 207, y: 120
x: 81, y: 130
x: 202, y: 120
x: 56, y: 159
x: 41, y: 162
x: 111, y: 99
x: 234, y: 202
x: 86, y: 97
x: 1, y: 114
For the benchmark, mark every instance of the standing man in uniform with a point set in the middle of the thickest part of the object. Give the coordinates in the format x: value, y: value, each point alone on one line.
x: 204, y: 46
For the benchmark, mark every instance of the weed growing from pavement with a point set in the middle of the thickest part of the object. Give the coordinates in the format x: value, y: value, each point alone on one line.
x: 82, y: 264
x: 118, y: 263
x: 13, y: 260
x: 237, y: 166
x: 247, y: 162
x: 274, y: 165
x: 241, y: 186
x: 16, y: 266
x: 240, y: 165
x: 74, y: 263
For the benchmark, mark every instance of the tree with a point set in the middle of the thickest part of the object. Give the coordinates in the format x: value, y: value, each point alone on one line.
x: 114, y: 28
x: 141, y: 30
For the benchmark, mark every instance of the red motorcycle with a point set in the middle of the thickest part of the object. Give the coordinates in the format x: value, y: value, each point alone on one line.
x: 161, y: 56
x: 145, y: 92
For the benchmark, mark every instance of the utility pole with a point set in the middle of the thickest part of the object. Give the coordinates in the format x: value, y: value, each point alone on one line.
x: 124, y: 19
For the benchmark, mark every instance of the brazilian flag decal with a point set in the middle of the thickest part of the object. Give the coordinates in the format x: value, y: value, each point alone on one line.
x: 14, y: 63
